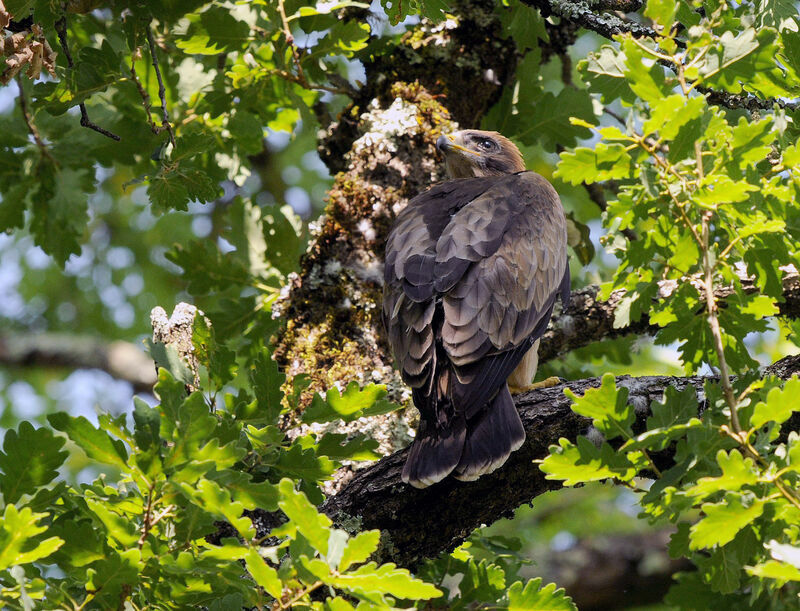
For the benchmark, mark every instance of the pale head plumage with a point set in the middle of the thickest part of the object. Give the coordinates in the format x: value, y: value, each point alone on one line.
x: 472, y: 152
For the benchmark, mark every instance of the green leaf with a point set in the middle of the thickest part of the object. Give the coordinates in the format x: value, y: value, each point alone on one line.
x: 779, y: 406
x: 373, y: 581
x: 146, y: 424
x: 585, y: 462
x: 534, y: 596
x: 304, y: 517
x: 210, y: 496
x: 648, y: 82
x: 524, y: 24
x: 359, y: 548
x: 19, y: 543
x: 604, y: 71
x: 607, y: 406
x: 168, y: 358
x: 350, y: 405
x: 97, y: 444
x: 669, y: 115
x: 305, y: 464
x: 720, y: 189
x: 547, y: 118
x: 736, y: 472
x: 267, y: 381
x: 722, y: 522
x: 336, y: 445
x: 219, y: 360
x: 773, y: 569
x: 29, y: 460
x: 604, y: 162
x: 60, y: 209
x: 671, y: 419
x: 118, y: 525
x: 398, y: 10
x: 662, y: 12
x: 109, y: 576
x: 263, y: 574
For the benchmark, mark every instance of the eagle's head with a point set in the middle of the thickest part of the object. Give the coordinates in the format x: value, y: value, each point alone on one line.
x: 472, y: 152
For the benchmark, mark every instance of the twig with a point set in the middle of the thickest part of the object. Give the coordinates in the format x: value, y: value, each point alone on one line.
x: 34, y: 131
x: 300, y: 77
x: 61, y: 30
x: 135, y: 56
x: 146, y: 524
x: 162, y: 92
x: 308, y: 590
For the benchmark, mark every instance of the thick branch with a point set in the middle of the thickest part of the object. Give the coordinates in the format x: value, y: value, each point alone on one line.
x: 605, y: 24
x: 587, y: 319
x: 122, y: 360
x: 377, y: 498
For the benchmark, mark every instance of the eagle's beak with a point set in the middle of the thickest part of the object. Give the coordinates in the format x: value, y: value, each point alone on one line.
x: 447, y: 143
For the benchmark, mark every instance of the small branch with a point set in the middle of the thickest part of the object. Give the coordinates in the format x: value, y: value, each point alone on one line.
x: 716, y: 331
x: 608, y: 26
x: 300, y: 77
x: 32, y: 129
x: 146, y: 523
x: 162, y: 92
x: 156, y: 129
x: 61, y: 30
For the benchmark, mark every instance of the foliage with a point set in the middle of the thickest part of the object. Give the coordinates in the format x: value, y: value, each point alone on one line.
x: 703, y: 199
x: 145, y: 535
x: 710, y: 195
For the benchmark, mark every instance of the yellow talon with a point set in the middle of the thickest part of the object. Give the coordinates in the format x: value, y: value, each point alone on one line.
x: 547, y: 383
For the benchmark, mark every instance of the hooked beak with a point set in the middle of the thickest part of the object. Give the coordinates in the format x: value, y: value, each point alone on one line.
x: 447, y: 143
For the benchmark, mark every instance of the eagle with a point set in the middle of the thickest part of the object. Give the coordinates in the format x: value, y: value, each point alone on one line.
x: 473, y: 268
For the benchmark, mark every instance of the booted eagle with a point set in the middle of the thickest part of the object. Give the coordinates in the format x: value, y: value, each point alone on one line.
x: 473, y: 268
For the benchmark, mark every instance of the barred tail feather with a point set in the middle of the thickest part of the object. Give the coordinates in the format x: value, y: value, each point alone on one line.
x: 434, y: 453
x: 491, y: 438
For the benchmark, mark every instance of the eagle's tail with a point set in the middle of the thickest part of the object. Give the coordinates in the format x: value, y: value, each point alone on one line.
x: 491, y: 437
x: 434, y: 453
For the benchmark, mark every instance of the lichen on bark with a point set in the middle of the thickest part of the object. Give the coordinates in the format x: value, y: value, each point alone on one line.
x: 333, y: 328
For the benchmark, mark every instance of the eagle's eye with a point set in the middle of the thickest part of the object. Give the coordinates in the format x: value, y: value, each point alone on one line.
x: 487, y: 145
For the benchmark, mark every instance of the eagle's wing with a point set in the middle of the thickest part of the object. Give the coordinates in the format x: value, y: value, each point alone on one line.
x: 473, y: 268
x: 498, y: 291
x: 409, y: 297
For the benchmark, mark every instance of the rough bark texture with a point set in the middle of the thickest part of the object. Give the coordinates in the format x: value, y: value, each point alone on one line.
x: 376, y: 497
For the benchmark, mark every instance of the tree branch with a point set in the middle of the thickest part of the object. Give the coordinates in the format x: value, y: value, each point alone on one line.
x: 594, y: 18
x: 607, y: 25
x: 377, y: 498
x: 61, y: 30
x: 587, y: 319
x: 122, y: 360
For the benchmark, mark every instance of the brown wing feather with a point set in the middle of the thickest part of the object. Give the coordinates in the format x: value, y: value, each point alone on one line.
x: 488, y: 254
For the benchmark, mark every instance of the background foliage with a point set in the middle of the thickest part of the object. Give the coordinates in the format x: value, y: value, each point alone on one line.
x: 206, y: 196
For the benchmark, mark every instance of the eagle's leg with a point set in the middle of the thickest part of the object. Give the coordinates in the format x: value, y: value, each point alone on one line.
x: 521, y: 379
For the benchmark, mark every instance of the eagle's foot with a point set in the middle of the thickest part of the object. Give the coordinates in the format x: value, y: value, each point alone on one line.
x: 546, y: 383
